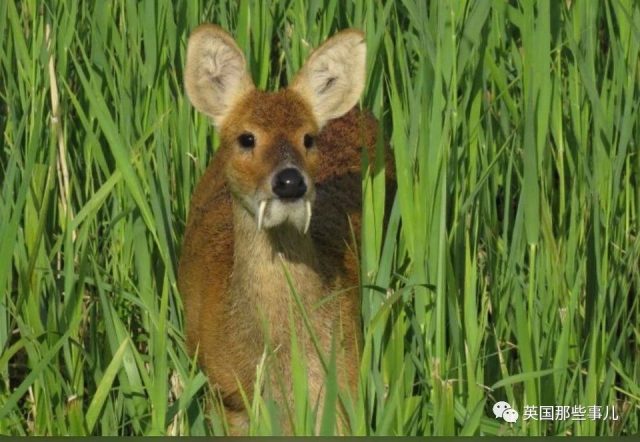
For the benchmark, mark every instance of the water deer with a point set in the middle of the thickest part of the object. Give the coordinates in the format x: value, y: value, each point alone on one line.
x: 274, y: 216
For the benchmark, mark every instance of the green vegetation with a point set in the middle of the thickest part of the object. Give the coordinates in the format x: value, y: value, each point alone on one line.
x: 509, y: 269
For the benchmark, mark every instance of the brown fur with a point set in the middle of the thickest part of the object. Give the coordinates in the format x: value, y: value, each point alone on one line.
x: 236, y: 296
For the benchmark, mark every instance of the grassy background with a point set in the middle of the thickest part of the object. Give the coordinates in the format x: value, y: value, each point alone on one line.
x: 509, y: 269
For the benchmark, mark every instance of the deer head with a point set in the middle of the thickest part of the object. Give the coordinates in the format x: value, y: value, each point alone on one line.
x: 268, y: 150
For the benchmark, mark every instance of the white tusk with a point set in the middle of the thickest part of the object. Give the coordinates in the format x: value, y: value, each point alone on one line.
x: 261, y: 210
x: 307, y: 222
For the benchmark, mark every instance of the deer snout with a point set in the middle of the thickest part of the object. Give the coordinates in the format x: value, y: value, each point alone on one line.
x: 289, y: 184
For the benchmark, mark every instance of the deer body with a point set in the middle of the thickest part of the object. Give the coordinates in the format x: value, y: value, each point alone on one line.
x: 282, y: 194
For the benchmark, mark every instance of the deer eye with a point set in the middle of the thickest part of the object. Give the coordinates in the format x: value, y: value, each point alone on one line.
x: 247, y: 140
x: 309, y: 141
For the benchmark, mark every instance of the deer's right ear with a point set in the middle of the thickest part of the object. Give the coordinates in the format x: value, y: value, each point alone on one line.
x: 215, y: 75
x: 332, y: 79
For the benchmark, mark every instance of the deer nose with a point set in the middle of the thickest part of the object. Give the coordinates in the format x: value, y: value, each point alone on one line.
x: 289, y: 183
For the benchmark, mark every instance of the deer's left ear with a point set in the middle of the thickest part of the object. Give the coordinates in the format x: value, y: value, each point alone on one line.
x: 332, y: 79
x: 215, y: 74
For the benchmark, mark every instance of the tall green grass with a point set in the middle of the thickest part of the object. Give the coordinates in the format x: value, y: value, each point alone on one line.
x: 508, y: 269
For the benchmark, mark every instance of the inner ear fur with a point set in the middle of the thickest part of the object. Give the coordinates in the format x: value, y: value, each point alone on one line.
x: 215, y: 72
x: 332, y: 79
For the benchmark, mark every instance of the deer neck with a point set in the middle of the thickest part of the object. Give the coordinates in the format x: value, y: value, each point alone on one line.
x: 261, y: 257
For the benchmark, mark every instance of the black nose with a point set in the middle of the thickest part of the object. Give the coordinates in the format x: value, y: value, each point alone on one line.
x: 289, y: 183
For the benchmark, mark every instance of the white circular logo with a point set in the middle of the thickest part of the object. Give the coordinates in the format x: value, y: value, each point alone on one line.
x: 504, y: 411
